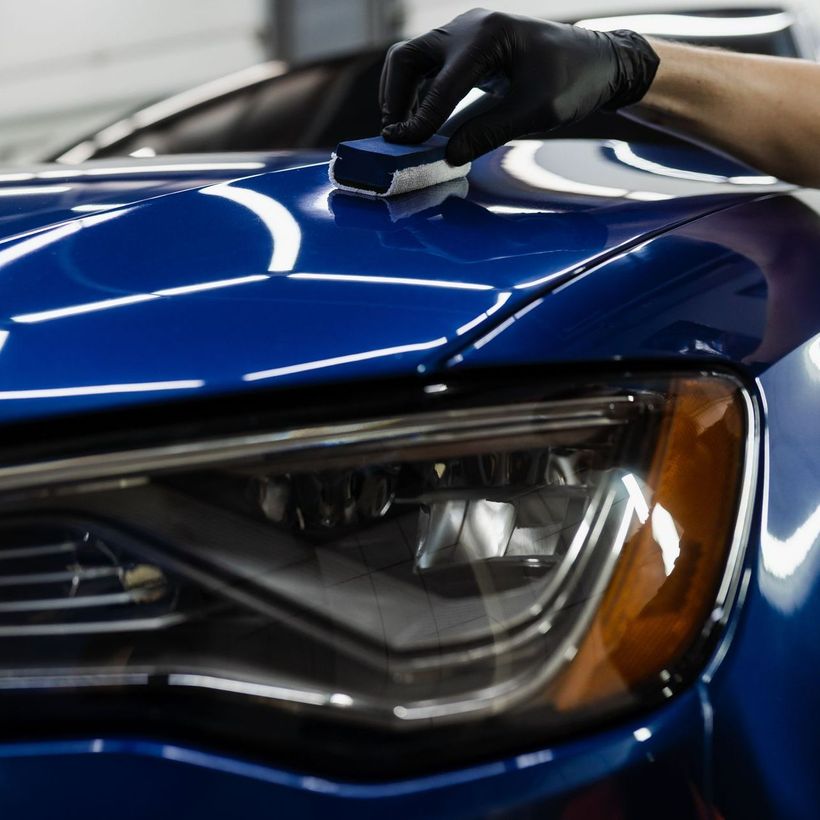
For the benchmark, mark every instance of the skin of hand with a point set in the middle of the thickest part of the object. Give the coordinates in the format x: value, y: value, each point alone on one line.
x: 764, y: 111
x: 556, y: 74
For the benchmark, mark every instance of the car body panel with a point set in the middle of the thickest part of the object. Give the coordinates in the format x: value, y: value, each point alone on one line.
x: 229, y: 285
x: 719, y: 273
x: 766, y: 738
x: 590, y: 777
x: 737, y: 288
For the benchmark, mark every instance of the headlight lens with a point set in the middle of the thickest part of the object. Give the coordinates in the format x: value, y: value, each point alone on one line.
x: 559, y: 557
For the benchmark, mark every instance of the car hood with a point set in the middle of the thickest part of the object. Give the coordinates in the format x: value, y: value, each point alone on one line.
x: 124, y: 286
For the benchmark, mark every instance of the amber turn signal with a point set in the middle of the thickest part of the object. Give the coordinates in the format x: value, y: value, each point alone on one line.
x: 666, y: 579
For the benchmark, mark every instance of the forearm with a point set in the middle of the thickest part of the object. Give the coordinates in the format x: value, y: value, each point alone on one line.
x: 763, y: 110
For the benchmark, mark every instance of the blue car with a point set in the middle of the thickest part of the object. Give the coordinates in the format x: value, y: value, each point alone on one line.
x: 494, y: 499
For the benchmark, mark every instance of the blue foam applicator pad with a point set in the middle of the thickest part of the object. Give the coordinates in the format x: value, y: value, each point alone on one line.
x: 378, y: 168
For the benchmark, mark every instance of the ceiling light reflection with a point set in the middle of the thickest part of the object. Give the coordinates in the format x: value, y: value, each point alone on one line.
x: 510, y: 209
x: 219, y: 283
x: 4, y: 335
x: 136, y: 298
x: 41, y: 238
x: 35, y: 190
x: 99, y: 389
x: 502, y: 299
x: 814, y: 354
x: 92, y: 208
x: 497, y: 331
x: 137, y: 168
x: 340, y: 360
x: 534, y: 283
x: 623, y: 151
x: 76, y: 310
x: 283, y: 228
x: 666, y: 536
x: 782, y: 557
x: 520, y: 162
x: 637, y: 497
x: 390, y: 280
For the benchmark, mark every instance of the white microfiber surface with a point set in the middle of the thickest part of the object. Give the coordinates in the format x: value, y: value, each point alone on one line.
x: 408, y: 179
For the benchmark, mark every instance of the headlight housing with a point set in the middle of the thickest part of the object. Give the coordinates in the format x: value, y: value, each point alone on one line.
x: 536, y: 559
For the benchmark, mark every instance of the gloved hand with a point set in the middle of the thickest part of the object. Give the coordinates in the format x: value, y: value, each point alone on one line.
x: 557, y: 74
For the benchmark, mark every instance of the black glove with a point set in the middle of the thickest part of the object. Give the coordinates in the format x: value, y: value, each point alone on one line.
x: 557, y: 74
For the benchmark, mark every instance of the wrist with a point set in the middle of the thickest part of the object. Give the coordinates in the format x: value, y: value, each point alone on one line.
x: 637, y: 64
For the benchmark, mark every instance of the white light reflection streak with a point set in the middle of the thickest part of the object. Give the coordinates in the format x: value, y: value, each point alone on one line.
x: 515, y: 209
x: 284, y: 229
x: 390, y: 280
x: 781, y: 558
x: 88, y: 307
x: 666, y: 536
x: 262, y: 690
x: 520, y: 162
x: 40, y: 240
x: 4, y: 335
x: 123, y: 301
x: 34, y: 190
x: 637, y: 497
x: 664, y: 530
x: 219, y: 283
x: 502, y: 327
x: 814, y: 355
x: 92, y: 208
x: 627, y: 156
x: 339, y: 360
x: 503, y: 298
x: 548, y: 278
x: 99, y: 389
x: 138, y: 168
x: 18, y: 248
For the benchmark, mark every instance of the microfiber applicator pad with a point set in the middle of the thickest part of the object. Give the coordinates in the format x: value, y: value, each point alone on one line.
x: 378, y: 168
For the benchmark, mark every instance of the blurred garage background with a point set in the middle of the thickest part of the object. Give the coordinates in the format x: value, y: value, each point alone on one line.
x: 69, y: 68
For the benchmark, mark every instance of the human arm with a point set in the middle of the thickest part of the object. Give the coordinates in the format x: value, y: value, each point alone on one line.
x: 764, y: 111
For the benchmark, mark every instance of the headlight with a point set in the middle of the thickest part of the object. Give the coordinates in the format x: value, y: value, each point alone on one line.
x: 544, y: 560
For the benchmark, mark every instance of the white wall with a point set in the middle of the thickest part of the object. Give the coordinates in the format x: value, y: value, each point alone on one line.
x: 70, y: 63
x: 68, y: 67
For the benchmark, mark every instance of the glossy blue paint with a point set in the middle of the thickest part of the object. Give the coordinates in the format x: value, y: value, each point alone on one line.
x: 767, y: 737
x: 581, y: 779
x: 51, y: 194
x: 593, y: 274
x: 275, y: 279
x: 739, y: 287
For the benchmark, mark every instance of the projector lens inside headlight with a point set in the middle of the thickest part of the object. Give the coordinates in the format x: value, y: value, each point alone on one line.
x: 546, y: 556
